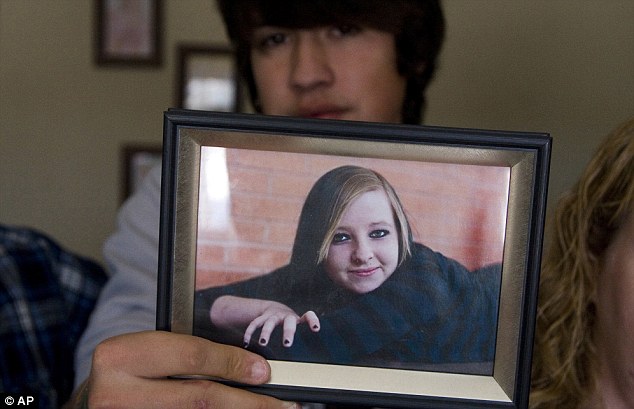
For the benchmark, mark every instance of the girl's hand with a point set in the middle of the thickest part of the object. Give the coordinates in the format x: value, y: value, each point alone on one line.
x: 279, y: 314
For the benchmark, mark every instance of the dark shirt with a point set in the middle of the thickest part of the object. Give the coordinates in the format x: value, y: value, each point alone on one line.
x: 46, y: 296
x: 432, y: 313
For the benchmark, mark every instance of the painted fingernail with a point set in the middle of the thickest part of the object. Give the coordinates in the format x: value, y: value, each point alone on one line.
x: 315, y: 326
x: 287, y: 342
x: 262, y: 341
x: 246, y: 344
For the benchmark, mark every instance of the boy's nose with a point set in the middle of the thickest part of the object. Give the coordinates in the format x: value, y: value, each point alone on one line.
x: 310, y: 65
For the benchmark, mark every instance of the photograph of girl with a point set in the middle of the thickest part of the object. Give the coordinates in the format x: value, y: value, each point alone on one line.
x: 358, y: 290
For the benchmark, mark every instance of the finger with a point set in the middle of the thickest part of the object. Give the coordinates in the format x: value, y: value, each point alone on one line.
x: 248, y: 333
x: 312, y: 320
x: 140, y: 393
x: 156, y: 354
x: 267, y: 330
x: 288, y: 334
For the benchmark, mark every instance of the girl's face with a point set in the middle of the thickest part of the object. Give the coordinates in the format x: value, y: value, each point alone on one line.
x: 615, y: 319
x: 345, y: 72
x: 364, y: 250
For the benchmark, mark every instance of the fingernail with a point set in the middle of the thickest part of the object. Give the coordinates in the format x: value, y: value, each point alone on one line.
x: 259, y: 371
x: 287, y: 342
x: 246, y: 344
x: 315, y: 326
x: 262, y: 341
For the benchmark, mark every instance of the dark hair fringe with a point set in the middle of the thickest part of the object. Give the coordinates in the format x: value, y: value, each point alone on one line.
x: 418, y: 26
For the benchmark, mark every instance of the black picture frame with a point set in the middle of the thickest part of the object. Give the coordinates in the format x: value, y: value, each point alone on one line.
x: 128, y: 33
x: 207, y: 78
x: 527, y: 157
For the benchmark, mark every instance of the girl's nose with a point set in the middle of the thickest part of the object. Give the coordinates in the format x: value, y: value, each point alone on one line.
x: 362, y: 253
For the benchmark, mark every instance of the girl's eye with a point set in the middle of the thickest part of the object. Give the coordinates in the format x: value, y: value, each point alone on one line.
x: 377, y: 234
x: 340, y: 238
x: 345, y: 30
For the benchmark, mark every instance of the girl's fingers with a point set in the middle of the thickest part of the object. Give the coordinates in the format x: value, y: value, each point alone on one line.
x: 312, y: 320
x: 288, y: 333
x: 267, y: 329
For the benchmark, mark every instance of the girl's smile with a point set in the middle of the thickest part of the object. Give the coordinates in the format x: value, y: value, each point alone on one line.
x: 365, y: 272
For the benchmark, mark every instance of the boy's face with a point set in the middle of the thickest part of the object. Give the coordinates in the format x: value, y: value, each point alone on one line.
x: 345, y: 72
x: 364, y: 250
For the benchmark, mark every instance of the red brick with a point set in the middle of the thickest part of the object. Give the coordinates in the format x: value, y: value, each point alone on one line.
x: 250, y: 231
x: 248, y: 180
x: 292, y: 185
x: 282, y: 234
x: 207, y: 254
x: 266, y: 161
x: 206, y: 277
x: 263, y: 208
x: 263, y: 260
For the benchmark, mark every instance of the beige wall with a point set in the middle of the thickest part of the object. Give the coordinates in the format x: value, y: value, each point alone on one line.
x: 564, y: 67
x: 64, y: 119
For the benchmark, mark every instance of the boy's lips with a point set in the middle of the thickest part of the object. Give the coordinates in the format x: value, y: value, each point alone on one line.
x: 323, y: 111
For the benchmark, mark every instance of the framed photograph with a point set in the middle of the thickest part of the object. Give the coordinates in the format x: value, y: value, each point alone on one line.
x: 371, y: 264
x: 137, y: 160
x: 207, y: 78
x: 128, y: 32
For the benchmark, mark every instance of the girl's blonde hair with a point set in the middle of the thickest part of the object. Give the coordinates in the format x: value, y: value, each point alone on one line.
x: 359, y: 181
x: 586, y: 220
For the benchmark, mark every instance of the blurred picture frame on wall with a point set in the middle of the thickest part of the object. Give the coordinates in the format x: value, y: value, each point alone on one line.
x: 128, y: 32
x: 207, y: 78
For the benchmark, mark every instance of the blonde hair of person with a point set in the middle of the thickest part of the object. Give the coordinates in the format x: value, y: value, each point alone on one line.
x: 586, y: 220
x: 356, y: 181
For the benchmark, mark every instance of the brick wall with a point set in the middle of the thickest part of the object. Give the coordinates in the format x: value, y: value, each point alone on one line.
x: 458, y: 210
